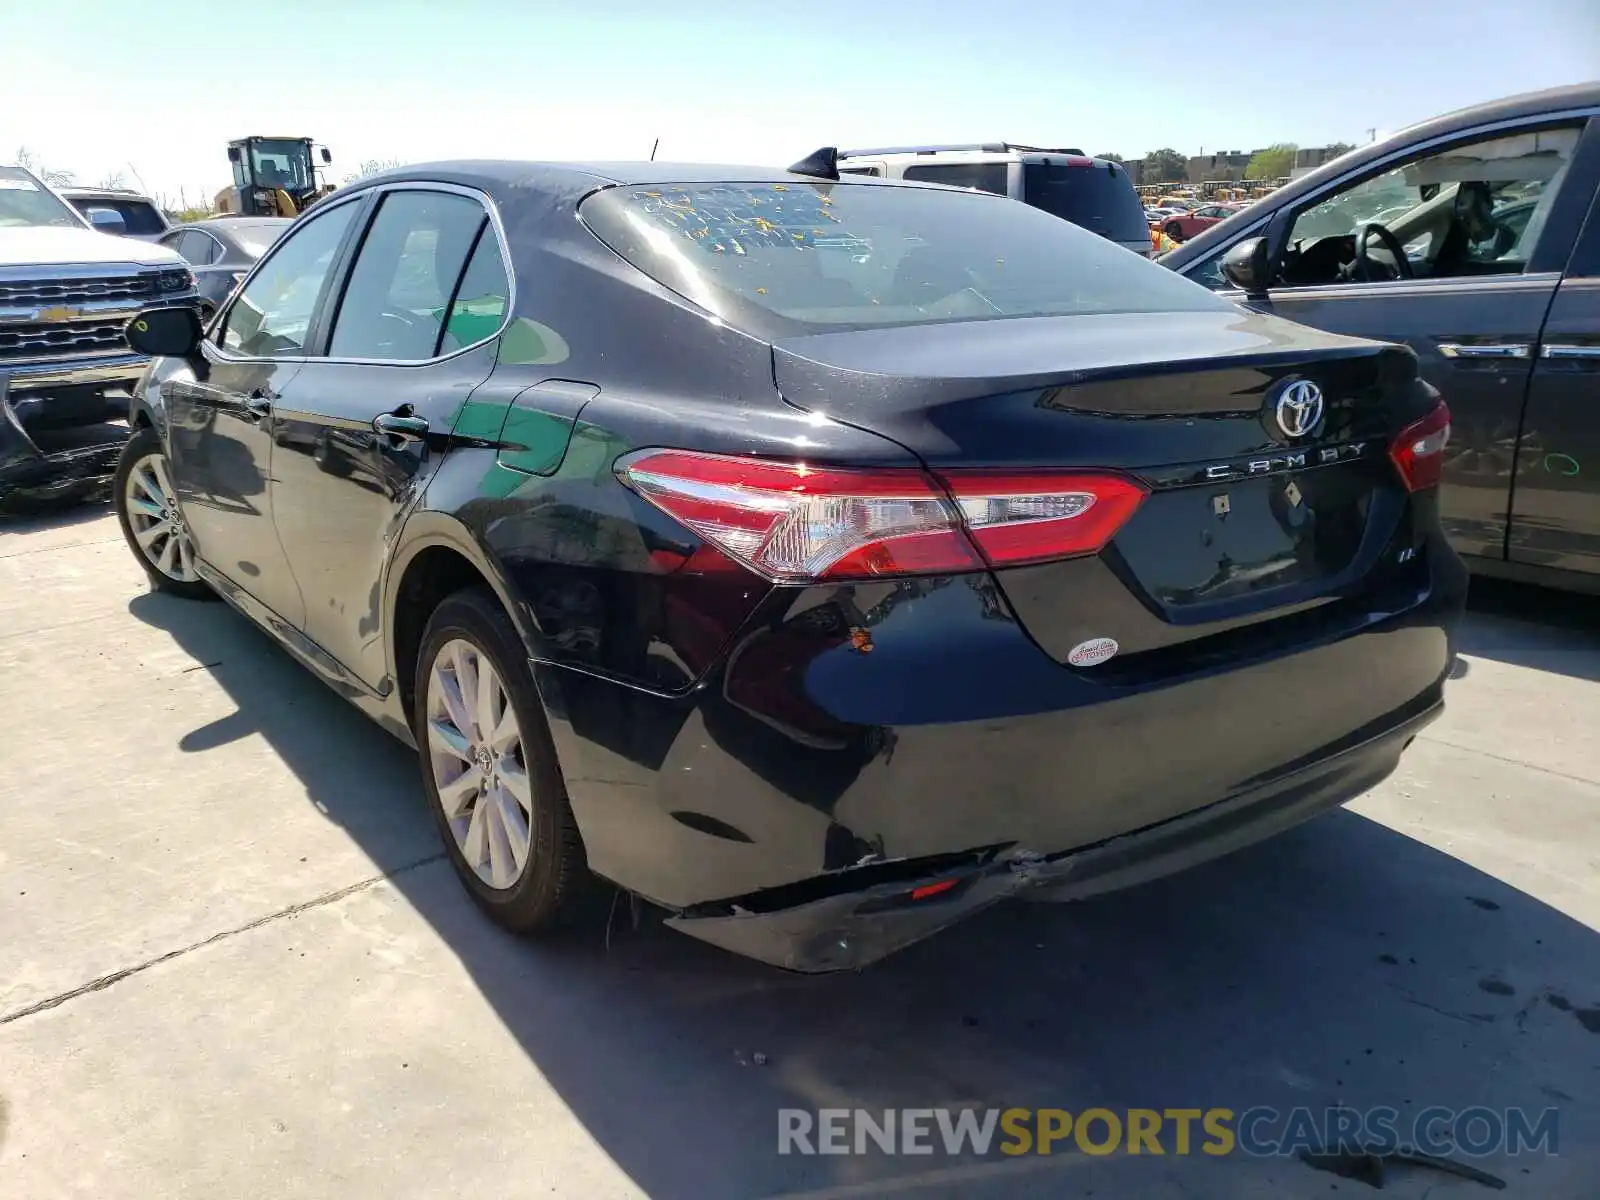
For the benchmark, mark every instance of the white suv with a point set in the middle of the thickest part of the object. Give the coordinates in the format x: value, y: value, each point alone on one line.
x: 1095, y: 193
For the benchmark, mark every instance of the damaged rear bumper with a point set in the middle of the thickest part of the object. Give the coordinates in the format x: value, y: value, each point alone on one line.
x: 861, y: 921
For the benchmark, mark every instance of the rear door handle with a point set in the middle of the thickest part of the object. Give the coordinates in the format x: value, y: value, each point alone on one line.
x: 1566, y: 350
x: 257, y: 406
x: 1478, y: 350
x: 404, y: 427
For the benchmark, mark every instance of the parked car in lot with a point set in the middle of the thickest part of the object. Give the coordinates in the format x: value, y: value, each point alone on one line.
x: 1095, y: 193
x: 820, y: 559
x: 141, y: 216
x: 1475, y: 238
x: 66, y: 296
x: 221, y: 251
x: 1181, y: 227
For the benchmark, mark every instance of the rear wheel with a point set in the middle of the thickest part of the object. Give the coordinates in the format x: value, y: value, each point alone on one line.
x: 147, y: 510
x: 490, y: 770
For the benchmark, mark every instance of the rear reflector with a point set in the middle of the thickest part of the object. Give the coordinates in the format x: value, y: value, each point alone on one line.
x: 1418, y: 449
x: 790, y: 522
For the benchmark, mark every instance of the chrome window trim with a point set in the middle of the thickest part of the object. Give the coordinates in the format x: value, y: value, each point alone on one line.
x: 417, y: 185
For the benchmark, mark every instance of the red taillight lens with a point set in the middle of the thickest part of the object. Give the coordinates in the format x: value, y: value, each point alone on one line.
x: 791, y: 522
x: 1044, y: 515
x: 1418, y: 449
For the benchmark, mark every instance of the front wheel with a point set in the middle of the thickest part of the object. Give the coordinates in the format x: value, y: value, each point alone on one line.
x: 490, y: 771
x: 1175, y: 231
x: 147, y: 510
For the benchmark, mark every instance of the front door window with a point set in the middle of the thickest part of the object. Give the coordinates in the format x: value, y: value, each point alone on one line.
x: 1469, y: 211
x: 272, y: 316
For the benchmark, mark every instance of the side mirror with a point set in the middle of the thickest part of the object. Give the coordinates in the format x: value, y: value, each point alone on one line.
x: 107, y: 220
x: 233, y: 154
x: 1246, y: 267
x: 327, y: 156
x: 166, y: 332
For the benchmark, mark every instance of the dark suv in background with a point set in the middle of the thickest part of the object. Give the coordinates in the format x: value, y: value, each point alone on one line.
x: 1095, y: 193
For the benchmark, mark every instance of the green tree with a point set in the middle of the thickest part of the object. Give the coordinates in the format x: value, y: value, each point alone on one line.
x: 1116, y: 158
x: 1337, y: 148
x: 1274, y: 162
x: 1165, y: 166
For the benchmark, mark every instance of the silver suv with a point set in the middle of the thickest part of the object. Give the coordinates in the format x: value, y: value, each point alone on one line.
x: 67, y: 293
x: 1095, y: 193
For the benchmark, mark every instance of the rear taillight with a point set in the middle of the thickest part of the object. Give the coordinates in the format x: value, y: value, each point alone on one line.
x: 791, y: 522
x: 1418, y: 449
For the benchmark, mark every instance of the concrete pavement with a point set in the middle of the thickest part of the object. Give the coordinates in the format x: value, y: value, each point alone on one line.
x: 232, y: 962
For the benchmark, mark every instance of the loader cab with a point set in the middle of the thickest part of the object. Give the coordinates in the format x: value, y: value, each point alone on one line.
x: 264, y: 167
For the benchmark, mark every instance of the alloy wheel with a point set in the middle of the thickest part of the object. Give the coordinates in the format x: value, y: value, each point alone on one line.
x: 475, y: 751
x: 155, y: 520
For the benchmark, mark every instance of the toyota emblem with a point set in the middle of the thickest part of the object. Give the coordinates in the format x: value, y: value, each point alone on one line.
x: 1299, y: 409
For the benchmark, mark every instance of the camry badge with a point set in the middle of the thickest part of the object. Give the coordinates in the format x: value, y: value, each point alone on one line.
x: 1299, y: 409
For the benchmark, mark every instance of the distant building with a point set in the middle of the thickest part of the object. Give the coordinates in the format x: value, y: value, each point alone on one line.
x: 1231, y: 165
x: 1227, y: 165
x: 1309, y: 158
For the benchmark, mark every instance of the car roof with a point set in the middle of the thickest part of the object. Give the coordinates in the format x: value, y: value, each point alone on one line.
x: 236, y: 220
x: 1573, y: 98
x: 110, y: 193
x: 508, y: 180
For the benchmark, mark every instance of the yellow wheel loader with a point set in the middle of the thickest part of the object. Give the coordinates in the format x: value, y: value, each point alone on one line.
x: 272, y: 177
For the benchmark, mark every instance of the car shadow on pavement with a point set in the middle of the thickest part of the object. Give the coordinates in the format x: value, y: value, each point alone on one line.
x: 1536, y: 627
x: 16, y: 522
x: 1342, y: 962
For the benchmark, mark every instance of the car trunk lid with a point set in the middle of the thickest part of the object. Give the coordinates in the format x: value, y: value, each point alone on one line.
x: 1245, y: 522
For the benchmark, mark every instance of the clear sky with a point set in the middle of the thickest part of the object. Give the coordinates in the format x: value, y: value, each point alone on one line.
x: 92, y: 86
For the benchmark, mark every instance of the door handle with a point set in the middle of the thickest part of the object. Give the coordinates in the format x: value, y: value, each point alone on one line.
x: 402, y: 426
x: 1478, y: 350
x: 1566, y: 350
x: 257, y: 407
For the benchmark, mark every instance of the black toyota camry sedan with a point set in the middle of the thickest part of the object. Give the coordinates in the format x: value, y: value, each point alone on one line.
x: 819, y: 559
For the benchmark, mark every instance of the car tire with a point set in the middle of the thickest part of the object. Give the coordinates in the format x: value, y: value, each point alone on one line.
x: 150, y: 518
x: 1174, y: 231
x: 490, y: 791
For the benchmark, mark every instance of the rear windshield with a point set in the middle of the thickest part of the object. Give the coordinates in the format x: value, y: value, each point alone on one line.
x: 257, y: 238
x: 785, y: 258
x: 1100, y: 198
x: 137, y: 215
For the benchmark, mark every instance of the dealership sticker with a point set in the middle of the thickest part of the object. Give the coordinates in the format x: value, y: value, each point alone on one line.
x: 1093, y: 652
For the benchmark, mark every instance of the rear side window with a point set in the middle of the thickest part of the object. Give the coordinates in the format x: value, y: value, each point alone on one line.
x: 480, y: 304
x: 1099, y: 198
x: 404, y: 276
x: 137, y: 216
x: 195, y: 246
x: 982, y: 177
x: 784, y: 258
